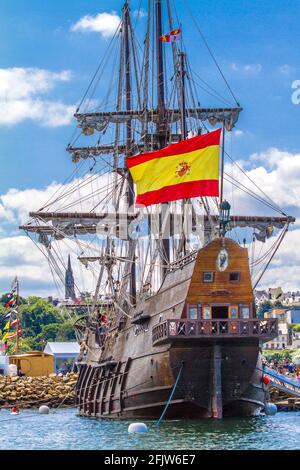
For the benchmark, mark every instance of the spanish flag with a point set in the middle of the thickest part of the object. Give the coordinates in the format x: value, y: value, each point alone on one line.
x: 186, y: 169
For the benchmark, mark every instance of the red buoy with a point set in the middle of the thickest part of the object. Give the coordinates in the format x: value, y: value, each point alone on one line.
x: 265, y: 379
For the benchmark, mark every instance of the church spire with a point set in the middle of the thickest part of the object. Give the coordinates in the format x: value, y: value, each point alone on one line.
x: 69, y: 282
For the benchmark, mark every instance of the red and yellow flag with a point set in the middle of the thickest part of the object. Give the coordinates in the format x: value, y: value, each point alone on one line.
x: 172, y: 36
x: 187, y: 169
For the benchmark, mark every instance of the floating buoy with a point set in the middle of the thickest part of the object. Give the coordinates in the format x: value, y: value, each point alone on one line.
x: 270, y: 409
x: 265, y: 379
x: 137, y: 427
x: 44, y: 410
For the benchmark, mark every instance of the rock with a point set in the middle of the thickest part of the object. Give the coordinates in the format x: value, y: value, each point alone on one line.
x: 33, y: 391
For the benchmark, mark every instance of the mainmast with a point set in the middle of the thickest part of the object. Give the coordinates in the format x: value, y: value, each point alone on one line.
x: 161, y: 126
x: 182, y: 95
x: 130, y: 193
x: 17, y: 315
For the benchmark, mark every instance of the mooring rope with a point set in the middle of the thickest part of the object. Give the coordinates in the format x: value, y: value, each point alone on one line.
x: 170, y: 397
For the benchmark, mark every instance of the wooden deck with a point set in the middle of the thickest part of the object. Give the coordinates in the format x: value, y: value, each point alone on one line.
x: 172, y: 330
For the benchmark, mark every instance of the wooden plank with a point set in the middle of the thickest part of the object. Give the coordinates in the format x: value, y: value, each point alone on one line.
x: 221, y: 290
x: 216, y: 401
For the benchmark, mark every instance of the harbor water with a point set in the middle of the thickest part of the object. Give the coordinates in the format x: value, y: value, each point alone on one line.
x: 64, y: 429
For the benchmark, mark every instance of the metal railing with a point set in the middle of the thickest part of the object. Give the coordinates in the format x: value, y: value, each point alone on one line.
x: 235, y: 328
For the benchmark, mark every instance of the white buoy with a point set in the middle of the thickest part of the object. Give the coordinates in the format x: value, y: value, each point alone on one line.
x: 137, y: 427
x: 44, y: 410
x: 270, y: 409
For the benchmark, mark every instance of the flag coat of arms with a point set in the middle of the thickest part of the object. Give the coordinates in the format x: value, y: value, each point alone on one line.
x: 186, y: 169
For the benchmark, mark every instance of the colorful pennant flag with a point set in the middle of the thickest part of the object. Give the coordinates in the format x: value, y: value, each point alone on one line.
x: 4, y: 338
x: 7, y: 326
x: 10, y: 336
x: 10, y: 303
x: 186, y: 169
x: 14, y: 322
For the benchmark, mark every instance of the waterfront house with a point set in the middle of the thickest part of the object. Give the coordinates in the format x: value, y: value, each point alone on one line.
x: 33, y: 364
x: 284, y: 338
x: 64, y: 353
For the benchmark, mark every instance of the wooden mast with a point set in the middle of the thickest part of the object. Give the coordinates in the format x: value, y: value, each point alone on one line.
x: 130, y: 194
x: 17, y: 317
x: 182, y: 95
x: 161, y: 128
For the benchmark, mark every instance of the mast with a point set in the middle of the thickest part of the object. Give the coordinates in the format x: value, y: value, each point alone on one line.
x: 17, y: 317
x: 184, y: 205
x: 182, y: 95
x: 130, y: 194
x: 222, y: 164
x: 161, y: 127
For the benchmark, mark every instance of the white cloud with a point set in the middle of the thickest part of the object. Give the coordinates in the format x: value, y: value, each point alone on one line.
x: 284, y: 270
x: 104, y: 23
x: 238, y: 133
x: 247, y: 69
x: 286, y: 69
x: 19, y: 256
x: 20, y: 98
x: 141, y: 13
x: 17, y: 83
x: 79, y: 195
x: 276, y: 171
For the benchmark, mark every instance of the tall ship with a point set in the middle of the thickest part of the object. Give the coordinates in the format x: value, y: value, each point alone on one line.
x: 170, y: 268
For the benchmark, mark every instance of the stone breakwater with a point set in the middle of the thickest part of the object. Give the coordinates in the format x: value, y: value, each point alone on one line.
x: 31, y: 392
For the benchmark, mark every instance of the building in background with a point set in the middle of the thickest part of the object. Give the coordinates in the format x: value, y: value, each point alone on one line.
x: 64, y: 354
x: 293, y: 315
x: 276, y: 294
x: 284, y: 338
x: 287, y: 318
x: 33, y: 364
x: 69, y: 282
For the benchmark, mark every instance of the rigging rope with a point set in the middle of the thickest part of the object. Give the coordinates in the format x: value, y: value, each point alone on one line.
x: 210, y: 51
x: 171, y: 396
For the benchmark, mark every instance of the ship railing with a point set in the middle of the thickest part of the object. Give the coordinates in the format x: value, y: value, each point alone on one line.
x: 231, y: 328
x: 183, y: 261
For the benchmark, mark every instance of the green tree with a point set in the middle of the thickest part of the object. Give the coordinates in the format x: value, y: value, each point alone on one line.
x: 279, y: 356
x: 37, y: 312
x: 40, y: 322
x: 66, y: 332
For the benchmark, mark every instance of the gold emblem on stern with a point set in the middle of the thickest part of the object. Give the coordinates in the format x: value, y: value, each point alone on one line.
x: 183, y: 169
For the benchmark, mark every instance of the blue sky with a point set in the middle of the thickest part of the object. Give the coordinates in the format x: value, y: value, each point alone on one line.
x: 256, y: 43
x: 36, y: 34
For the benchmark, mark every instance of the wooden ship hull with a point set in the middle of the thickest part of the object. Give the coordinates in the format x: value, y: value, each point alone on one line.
x: 133, y: 374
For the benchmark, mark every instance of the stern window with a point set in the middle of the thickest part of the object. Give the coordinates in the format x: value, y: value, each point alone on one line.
x: 208, y: 276
x: 245, y: 312
x: 234, y: 276
x: 206, y: 312
x: 193, y: 313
